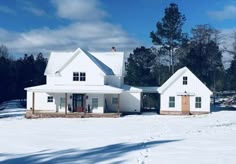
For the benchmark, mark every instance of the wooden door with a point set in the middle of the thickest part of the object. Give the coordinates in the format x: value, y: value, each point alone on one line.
x: 185, y: 105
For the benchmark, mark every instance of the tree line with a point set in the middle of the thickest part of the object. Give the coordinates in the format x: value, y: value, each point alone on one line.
x: 15, y: 75
x: 173, y: 49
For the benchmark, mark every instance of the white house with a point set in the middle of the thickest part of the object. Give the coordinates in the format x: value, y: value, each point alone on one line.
x: 184, y: 93
x: 81, y: 80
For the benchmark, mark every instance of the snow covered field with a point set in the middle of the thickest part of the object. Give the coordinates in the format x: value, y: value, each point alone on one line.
x: 154, y: 139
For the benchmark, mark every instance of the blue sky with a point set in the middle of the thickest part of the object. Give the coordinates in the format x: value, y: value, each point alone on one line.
x: 58, y: 25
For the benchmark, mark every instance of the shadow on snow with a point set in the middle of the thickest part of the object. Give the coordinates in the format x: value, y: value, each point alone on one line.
x: 94, y: 155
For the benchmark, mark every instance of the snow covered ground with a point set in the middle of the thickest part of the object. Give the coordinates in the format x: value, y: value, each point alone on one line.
x: 204, y: 139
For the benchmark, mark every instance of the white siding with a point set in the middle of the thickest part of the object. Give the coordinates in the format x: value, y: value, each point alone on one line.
x: 111, y: 107
x: 194, y: 87
x: 130, y: 102
x: 116, y: 81
x: 81, y: 63
x: 100, y: 98
x: 41, y: 102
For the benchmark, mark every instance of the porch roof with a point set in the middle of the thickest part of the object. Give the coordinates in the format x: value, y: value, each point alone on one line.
x: 102, y: 89
x: 153, y: 89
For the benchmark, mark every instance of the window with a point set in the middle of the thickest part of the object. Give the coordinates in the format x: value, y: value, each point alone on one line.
x: 79, y: 76
x: 171, y: 102
x: 185, y: 80
x: 94, y: 103
x: 75, y: 76
x: 50, y: 99
x: 62, y: 102
x: 198, y: 102
x: 126, y: 66
x: 82, y: 76
x: 114, y: 100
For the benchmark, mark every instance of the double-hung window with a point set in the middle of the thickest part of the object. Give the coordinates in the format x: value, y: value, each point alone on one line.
x: 185, y: 80
x: 50, y: 99
x: 114, y: 100
x: 198, y: 102
x: 171, y: 102
x: 94, y: 103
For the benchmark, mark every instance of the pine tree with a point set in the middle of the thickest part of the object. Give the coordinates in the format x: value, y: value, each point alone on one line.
x: 140, y: 67
x: 169, y: 35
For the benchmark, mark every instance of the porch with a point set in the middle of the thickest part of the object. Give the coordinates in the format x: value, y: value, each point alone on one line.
x: 80, y: 101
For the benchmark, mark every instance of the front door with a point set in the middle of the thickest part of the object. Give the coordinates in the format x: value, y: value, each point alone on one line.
x: 185, y: 105
x: 78, y: 102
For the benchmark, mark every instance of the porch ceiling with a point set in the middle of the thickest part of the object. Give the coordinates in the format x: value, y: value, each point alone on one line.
x: 101, y: 89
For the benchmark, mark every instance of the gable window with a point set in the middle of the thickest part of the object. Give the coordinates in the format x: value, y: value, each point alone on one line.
x: 82, y: 76
x: 185, y: 80
x: 198, y: 102
x: 94, y: 103
x: 75, y: 76
x: 114, y: 100
x: 50, y: 99
x: 171, y: 102
x: 79, y: 76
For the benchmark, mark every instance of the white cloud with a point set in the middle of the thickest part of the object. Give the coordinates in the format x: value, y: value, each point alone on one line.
x: 7, y: 10
x: 94, y: 36
x: 79, y: 9
x: 35, y: 11
x: 29, y: 6
x: 229, y: 12
x: 227, y: 39
x: 89, y: 31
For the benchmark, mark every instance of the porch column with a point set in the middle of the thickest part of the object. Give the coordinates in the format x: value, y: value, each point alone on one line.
x: 118, y: 103
x: 65, y: 103
x: 33, y: 102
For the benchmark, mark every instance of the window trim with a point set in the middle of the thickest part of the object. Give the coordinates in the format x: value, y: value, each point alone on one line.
x: 75, y: 76
x: 82, y: 76
x: 171, y: 102
x: 198, y: 102
x: 94, y: 107
x: 50, y: 99
x: 62, y: 103
x: 79, y: 76
x: 114, y: 100
x: 185, y: 80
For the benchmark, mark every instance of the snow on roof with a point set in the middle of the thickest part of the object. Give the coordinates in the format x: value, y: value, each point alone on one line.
x: 174, y: 77
x: 75, y: 89
x: 114, y: 60
x: 109, y: 62
x: 101, y: 65
x: 56, y: 61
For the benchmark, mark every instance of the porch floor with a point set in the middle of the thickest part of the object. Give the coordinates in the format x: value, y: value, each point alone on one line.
x: 40, y: 114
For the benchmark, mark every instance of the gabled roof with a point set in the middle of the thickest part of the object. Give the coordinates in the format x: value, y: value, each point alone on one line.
x: 114, y: 60
x: 175, y: 77
x: 101, y: 65
x: 56, y: 61
x: 60, y: 60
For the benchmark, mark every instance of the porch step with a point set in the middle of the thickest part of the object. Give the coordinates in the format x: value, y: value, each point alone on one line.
x: 30, y: 115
